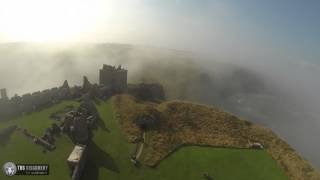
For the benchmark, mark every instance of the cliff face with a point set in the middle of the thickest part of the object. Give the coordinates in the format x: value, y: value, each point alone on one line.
x: 183, y: 123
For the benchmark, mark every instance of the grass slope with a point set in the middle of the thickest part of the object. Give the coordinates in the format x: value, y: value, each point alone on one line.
x: 224, y: 164
x: 185, y: 123
x: 110, y: 151
x: 19, y: 149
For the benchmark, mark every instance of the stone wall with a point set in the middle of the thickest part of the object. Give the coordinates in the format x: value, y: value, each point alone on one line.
x: 113, y: 80
x: 30, y: 102
x: 77, y: 167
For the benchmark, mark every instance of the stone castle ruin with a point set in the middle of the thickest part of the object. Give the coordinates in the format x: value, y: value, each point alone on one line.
x: 76, y: 161
x: 113, y: 78
x: 79, y: 123
x: 3, y: 93
x: 31, y: 102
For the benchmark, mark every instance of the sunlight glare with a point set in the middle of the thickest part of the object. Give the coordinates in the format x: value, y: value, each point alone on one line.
x: 48, y: 20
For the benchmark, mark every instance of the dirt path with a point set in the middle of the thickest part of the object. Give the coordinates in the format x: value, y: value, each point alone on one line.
x: 141, y: 145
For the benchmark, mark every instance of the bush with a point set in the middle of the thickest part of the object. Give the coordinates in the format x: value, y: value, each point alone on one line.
x: 150, y: 119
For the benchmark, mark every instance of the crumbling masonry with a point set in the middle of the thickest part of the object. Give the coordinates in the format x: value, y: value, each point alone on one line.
x: 113, y: 78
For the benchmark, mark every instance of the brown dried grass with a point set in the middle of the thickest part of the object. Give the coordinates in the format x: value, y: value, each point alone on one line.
x: 184, y: 123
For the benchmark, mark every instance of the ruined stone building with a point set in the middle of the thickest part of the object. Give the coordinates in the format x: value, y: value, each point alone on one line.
x: 113, y: 78
x: 3, y: 93
x: 86, y: 86
x: 76, y: 161
x: 76, y: 126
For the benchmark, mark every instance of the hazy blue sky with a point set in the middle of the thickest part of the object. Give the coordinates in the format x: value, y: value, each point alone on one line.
x: 290, y: 25
x: 271, y: 29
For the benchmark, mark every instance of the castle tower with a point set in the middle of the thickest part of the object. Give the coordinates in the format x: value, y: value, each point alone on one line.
x: 113, y: 78
x: 3, y: 93
x: 86, y: 84
x: 65, y: 85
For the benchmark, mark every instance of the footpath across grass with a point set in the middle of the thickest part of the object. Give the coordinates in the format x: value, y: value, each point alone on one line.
x: 110, y: 151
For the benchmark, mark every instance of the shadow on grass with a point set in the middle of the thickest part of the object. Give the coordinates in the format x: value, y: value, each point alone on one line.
x: 101, y: 124
x: 5, y: 135
x: 97, y: 159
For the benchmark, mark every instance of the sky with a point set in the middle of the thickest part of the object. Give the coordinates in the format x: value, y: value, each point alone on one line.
x: 287, y: 29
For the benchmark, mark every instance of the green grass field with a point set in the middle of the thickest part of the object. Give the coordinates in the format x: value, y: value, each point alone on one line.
x: 19, y: 149
x: 109, y: 155
x: 109, y: 159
